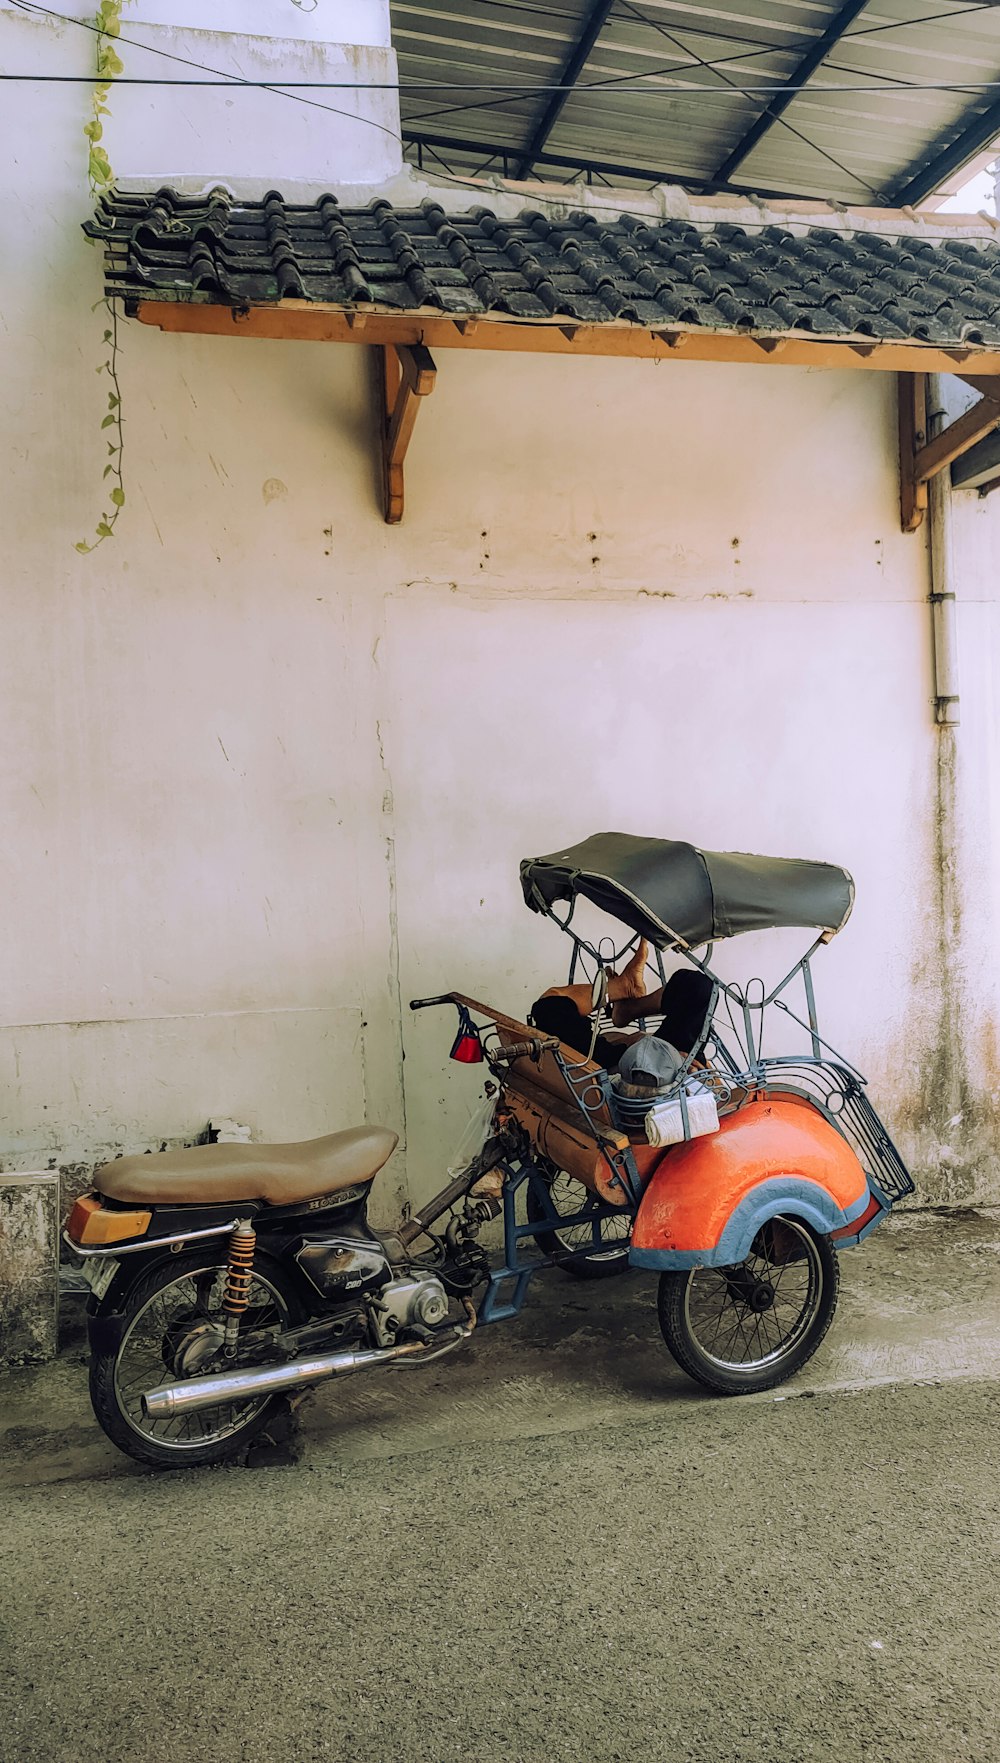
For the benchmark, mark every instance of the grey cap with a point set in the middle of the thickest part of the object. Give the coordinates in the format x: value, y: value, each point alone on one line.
x: 650, y: 1065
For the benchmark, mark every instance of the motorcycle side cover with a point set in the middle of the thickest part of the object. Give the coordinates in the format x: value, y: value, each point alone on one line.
x: 708, y: 1198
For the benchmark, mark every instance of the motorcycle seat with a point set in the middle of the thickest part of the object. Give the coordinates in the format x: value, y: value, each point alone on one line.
x: 277, y: 1174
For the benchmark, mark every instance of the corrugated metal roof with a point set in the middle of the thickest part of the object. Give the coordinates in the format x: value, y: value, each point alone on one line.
x: 872, y: 144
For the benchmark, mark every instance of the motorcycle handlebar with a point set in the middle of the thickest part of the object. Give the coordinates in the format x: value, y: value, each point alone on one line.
x: 427, y: 1003
x: 522, y: 1050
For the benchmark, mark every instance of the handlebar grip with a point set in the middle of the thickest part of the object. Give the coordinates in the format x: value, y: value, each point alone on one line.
x: 427, y: 1003
x: 523, y: 1049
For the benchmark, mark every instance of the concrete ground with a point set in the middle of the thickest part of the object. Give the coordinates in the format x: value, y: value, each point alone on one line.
x: 549, y: 1547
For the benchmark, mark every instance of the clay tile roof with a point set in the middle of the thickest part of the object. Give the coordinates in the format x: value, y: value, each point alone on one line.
x: 583, y: 268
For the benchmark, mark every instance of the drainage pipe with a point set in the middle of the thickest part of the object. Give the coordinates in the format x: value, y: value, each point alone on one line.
x: 942, y: 594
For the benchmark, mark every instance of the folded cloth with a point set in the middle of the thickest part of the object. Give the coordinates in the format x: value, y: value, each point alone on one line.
x: 665, y: 1120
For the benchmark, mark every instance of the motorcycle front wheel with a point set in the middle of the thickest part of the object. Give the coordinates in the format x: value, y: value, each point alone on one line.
x: 172, y: 1329
x: 745, y: 1328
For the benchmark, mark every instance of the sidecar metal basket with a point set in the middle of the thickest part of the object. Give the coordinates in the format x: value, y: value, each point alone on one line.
x: 838, y: 1094
x: 629, y: 1112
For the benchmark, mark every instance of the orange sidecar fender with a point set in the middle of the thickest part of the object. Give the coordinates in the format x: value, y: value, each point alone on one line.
x: 707, y: 1199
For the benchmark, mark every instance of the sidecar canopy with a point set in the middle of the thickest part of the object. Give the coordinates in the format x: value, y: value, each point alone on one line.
x: 671, y: 892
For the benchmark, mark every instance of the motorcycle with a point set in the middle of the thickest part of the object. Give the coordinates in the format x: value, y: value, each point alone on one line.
x: 226, y: 1278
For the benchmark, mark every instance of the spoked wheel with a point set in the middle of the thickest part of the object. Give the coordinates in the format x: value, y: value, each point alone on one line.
x: 568, y: 1197
x: 748, y: 1327
x: 173, y: 1328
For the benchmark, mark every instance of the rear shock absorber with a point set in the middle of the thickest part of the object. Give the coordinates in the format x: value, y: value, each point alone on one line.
x: 239, y: 1278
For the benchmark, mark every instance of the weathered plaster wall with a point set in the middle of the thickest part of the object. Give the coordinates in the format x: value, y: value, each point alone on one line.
x: 29, y: 1233
x: 268, y: 766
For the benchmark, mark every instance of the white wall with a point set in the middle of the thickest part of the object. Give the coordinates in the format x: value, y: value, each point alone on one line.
x: 191, y: 134
x: 268, y: 766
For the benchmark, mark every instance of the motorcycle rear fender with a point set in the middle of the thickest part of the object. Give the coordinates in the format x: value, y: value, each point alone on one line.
x: 105, y: 1327
x: 708, y: 1198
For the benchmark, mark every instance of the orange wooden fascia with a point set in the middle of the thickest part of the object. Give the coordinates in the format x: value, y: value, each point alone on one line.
x: 309, y: 322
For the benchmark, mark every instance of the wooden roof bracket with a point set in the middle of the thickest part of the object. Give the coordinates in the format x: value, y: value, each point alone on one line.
x: 912, y: 436
x: 408, y: 374
x: 920, y: 457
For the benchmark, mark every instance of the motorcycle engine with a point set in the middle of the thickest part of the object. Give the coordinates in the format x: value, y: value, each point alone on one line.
x: 351, y: 1268
x: 344, y: 1267
x: 416, y: 1300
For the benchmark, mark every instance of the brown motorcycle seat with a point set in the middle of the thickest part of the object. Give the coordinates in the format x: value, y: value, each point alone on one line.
x: 276, y: 1174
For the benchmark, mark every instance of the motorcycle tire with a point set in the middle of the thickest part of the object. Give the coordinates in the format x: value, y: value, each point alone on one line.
x: 570, y: 1196
x: 170, y: 1317
x: 734, y: 1329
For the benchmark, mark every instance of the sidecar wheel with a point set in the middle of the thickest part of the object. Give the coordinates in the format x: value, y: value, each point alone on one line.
x: 738, y: 1330
x: 569, y: 1197
x: 171, y: 1322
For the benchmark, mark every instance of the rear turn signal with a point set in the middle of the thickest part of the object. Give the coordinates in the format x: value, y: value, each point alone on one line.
x: 92, y: 1224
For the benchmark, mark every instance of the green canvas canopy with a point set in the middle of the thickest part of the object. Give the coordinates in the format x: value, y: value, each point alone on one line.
x: 668, y: 890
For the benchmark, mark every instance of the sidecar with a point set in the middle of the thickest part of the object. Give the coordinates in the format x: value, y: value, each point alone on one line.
x: 740, y: 1178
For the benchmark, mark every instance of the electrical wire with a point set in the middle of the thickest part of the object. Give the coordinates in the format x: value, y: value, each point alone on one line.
x: 29, y: 7
x: 664, y: 89
x: 748, y: 48
x: 781, y: 120
x: 293, y: 90
x: 747, y: 52
x: 665, y: 85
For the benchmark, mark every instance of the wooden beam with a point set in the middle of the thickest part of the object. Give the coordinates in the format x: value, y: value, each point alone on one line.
x: 921, y: 458
x: 979, y: 383
x: 308, y: 322
x: 408, y: 374
x: 957, y: 438
x: 977, y: 469
x: 912, y: 435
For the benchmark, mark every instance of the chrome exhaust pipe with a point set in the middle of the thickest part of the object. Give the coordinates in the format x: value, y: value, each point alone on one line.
x: 173, y: 1399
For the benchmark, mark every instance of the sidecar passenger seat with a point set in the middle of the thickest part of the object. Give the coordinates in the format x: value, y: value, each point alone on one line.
x: 277, y: 1174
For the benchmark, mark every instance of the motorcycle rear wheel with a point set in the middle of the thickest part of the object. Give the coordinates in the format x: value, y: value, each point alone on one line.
x: 746, y: 1328
x: 171, y: 1320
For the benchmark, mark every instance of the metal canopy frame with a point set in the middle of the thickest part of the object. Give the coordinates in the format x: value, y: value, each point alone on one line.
x: 980, y: 132
x: 834, y: 33
x: 590, y: 168
x: 593, y: 25
x: 973, y: 132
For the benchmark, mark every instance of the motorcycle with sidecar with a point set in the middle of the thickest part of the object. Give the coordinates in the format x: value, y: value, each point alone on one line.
x: 227, y: 1277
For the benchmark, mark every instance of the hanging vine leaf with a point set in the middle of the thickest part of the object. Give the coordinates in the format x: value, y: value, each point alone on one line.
x: 100, y: 168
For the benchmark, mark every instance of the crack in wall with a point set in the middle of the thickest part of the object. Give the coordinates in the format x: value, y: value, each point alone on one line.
x: 393, y: 926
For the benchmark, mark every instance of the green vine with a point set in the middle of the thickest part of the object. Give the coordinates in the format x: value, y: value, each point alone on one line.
x: 108, y: 24
x: 101, y: 177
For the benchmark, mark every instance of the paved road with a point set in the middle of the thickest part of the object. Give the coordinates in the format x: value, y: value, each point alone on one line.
x: 728, y: 1583
x: 551, y: 1547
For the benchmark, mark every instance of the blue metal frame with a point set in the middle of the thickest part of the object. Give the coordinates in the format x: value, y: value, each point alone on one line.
x: 493, y: 1308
